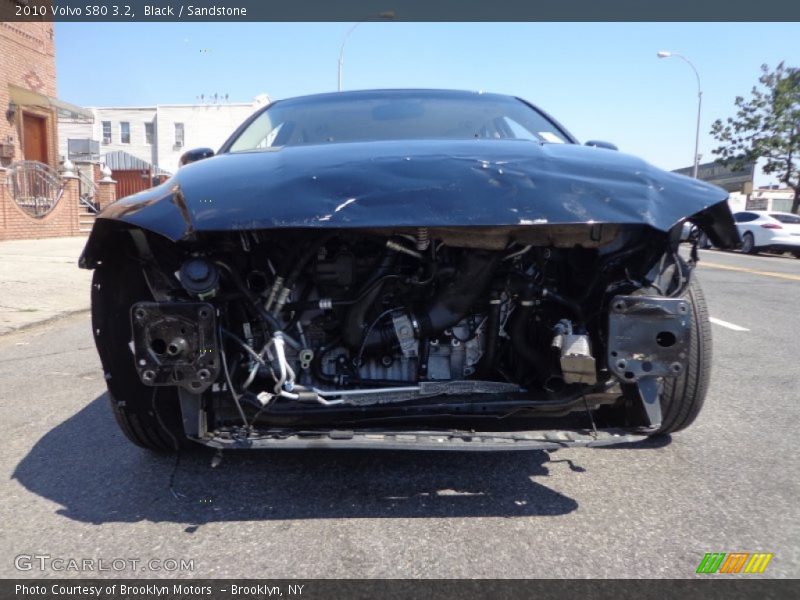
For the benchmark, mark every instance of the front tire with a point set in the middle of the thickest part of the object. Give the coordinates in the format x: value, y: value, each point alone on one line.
x: 148, y: 416
x: 684, y: 396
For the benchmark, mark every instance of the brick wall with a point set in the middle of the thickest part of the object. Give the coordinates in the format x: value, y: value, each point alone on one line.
x: 106, y: 193
x: 15, y: 224
x: 27, y: 60
x: 106, y: 190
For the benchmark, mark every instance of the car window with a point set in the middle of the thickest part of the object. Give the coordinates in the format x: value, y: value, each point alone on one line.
x: 395, y: 116
x: 788, y: 219
x: 744, y: 217
x: 512, y: 129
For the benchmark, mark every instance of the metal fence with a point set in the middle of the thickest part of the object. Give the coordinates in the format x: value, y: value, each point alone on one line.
x: 35, y: 187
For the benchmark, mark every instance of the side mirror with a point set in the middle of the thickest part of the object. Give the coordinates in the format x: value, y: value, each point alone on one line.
x: 191, y: 156
x: 601, y: 144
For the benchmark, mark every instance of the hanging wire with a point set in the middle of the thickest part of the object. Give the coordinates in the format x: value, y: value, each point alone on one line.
x: 176, y: 494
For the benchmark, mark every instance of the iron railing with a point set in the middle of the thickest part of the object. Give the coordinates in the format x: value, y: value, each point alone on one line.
x: 35, y: 187
x: 87, y: 191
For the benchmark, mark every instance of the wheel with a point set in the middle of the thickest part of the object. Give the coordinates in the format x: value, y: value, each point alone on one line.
x: 683, y: 396
x: 748, y: 243
x: 148, y: 416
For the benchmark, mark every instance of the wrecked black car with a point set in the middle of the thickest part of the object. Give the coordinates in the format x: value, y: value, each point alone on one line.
x: 404, y: 269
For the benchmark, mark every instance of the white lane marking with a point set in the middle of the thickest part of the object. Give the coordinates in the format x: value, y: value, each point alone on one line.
x: 733, y: 326
x: 713, y: 265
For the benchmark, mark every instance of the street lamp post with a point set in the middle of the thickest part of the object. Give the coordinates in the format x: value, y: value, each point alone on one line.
x: 388, y: 16
x: 666, y: 54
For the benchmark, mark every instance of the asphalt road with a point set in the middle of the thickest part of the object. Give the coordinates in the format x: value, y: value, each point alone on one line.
x: 73, y: 487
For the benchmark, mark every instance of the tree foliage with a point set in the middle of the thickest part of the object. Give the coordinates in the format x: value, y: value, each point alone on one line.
x: 766, y: 126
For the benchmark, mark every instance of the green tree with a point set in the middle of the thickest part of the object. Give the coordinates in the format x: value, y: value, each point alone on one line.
x: 766, y: 126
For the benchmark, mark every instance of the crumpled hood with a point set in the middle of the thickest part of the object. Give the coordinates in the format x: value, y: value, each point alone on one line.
x: 415, y: 183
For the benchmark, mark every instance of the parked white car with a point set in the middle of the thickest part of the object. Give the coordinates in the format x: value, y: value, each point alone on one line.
x: 764, y: 230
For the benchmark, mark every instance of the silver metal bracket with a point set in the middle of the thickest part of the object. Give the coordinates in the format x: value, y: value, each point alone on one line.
x: 404, y: 329
x: 577, y: 362
x: 648, y: 337
x: 174, y: 344
x: 650, y: 394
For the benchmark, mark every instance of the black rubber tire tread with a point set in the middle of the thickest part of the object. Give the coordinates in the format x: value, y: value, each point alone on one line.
x: 683, y: 396
x: 753, y: 249
x: 115, y: 287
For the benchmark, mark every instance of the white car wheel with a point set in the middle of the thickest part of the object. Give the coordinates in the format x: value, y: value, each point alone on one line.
x: 748, y: 243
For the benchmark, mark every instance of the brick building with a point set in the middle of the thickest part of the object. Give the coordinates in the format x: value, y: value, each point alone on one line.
x: 27, y: 72
x: 35, y: 200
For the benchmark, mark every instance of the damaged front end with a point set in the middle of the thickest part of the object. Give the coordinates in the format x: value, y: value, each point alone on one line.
x: 472, y: 291
x: 428, y: 337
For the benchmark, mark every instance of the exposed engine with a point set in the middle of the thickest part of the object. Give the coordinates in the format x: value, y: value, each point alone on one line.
x: 370, y: 318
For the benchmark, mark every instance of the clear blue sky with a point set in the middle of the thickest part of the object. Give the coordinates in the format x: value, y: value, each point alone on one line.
x: 601, y: 80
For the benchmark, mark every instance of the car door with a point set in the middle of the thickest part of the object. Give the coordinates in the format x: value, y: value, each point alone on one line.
x: 747, y: 222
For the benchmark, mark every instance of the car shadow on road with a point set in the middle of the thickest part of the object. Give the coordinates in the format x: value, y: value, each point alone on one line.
x: 86, y: 466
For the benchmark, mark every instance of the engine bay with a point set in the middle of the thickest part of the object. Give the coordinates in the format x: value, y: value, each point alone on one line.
x: 263, y: 327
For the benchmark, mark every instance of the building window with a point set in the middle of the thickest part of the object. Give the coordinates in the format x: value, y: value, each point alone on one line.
x: 148, y: 133
x: 125, y: 132
x: 179, y: 134
x: 106, y: 132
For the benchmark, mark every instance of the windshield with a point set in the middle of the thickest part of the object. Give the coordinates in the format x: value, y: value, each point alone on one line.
x: 395, y: 115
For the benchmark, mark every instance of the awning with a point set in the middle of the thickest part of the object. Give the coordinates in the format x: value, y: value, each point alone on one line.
x: 25, y: 97
x: 119, y: 160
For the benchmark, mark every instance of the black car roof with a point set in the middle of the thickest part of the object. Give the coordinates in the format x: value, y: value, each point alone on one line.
x: 376, y: 93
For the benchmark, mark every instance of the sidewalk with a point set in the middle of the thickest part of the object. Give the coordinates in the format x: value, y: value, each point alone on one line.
x: 40, y: 280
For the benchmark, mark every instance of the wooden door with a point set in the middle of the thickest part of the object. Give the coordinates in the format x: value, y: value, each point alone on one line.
x: 34, y: 138
x: 130, y: 182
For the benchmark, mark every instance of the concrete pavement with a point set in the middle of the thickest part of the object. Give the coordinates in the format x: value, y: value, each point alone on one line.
x: 41, y: 280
